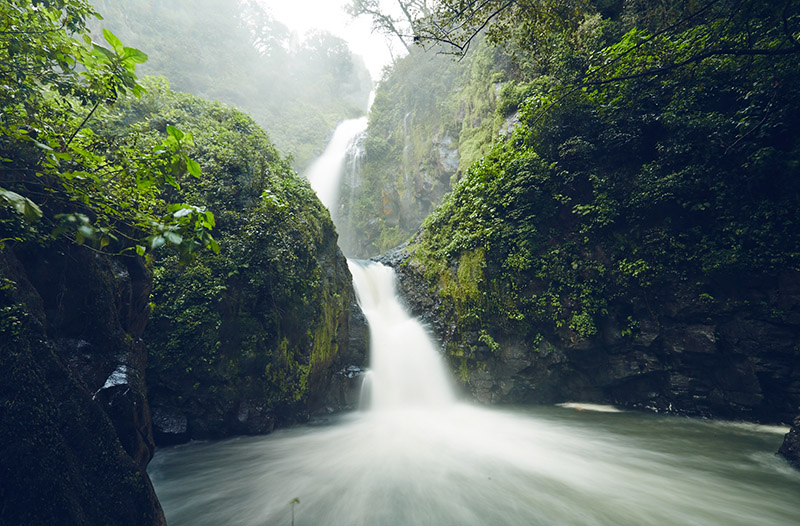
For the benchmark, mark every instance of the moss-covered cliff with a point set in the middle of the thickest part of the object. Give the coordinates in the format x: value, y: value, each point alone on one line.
x: 431, y: 119
x: 97, y: 196
x: 633, y: 241
x: 251, y: 337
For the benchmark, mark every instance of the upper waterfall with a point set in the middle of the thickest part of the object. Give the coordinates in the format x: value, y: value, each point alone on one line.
x: 325, y: 173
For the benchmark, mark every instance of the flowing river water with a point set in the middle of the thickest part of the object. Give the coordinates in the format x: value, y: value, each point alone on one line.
x: 416, y: 455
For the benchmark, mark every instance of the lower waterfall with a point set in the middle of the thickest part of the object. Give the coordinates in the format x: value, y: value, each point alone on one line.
x: 420, y: 457
x: 417, y: 456
x: 406, y: 370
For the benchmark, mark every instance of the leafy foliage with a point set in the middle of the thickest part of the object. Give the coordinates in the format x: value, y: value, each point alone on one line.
x: 620, y: 191
x: 59, y: 177
x: 259, y: 321
x: 432, y: 118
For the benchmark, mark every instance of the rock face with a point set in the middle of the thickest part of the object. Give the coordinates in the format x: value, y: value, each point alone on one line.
x: 736, y: 358
x: 345, y: 385
x: 75, y: 434
x: 790, y: 449
x: 263, y: 352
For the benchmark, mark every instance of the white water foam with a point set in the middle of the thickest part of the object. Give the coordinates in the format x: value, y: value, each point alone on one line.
x: 325, y: 173
x: 407, y: 371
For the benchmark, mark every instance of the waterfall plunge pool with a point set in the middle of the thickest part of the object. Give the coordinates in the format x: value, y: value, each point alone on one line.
x: 467, y: 465
x: 419, y: 457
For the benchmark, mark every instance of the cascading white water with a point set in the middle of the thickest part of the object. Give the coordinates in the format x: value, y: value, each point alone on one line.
x: 325, y: 174
x: 418, y: 457
x: 406, y: 369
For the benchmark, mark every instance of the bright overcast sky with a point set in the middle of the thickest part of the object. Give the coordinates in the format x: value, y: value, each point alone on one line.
x: 304, y: 15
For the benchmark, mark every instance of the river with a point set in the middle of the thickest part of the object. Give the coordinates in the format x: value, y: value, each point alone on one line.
x: 419, y: 456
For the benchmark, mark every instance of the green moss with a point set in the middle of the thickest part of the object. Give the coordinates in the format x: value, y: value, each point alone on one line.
x: 432, y: 118
x: 260, y: 321
x: 615, y: 196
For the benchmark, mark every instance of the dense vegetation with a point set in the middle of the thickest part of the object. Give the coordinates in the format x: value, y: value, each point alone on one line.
x: 110, y: 187
x: 237, y: 53
x: 59, y: 177
x: 647, y: 160
x: 431, y: 119
x: 686, y: 175
x: 262, y: 320
x: 77, y: 208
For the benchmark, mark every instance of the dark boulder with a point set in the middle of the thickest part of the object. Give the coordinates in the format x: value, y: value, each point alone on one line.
x: 170, y: 428
x: 790, y: 449
x: 75, y: 432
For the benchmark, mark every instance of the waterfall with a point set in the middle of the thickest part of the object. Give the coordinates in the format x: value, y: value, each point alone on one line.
x: 325, y: 174
x: 406, y: 369
x: 417, y: 456
x: 348, y: 237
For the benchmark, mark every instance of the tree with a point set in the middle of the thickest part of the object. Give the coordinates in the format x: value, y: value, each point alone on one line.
x: 629, y: 40
x: 61, y: 179
x: 456, y: 23
x: 399, y: 25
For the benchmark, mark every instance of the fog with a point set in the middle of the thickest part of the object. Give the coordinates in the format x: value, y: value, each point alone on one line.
x: 297, y: 82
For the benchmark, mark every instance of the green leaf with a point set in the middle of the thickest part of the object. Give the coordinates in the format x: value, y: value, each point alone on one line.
x: 134, y: 55
x: 24, y: 206
x: 193, y: 167
x: 183, y: 212
x: 140, y: 250
x: 42, y: 145
x: 87, y: 231
x: 175, y: 132
x: 157, y: 241
x: 171, y: 181
x: 210, y: 221
x: 173, y: 237
x: 213, y: 245
x: 115, y: 42
x: 103, y: 54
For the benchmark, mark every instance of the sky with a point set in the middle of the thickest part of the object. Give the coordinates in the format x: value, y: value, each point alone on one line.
x: 305, y: 15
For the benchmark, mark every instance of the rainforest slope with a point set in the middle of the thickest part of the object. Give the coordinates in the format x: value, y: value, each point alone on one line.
x: 635, y: 239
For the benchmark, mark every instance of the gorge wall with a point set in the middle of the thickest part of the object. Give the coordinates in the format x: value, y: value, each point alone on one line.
x: 735, y: 359
x: 257, y: 335
x: 75, y: 429
x: 626, y: 234
x: 105, y: 356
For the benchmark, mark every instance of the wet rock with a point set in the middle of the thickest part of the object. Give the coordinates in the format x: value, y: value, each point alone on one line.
x: 254, y: 418
x: 509, y: 125
x: 169, y: 428
x: 447, y: 149
x: 790, y: 449
x: 345, y: 389
x: 736, y: 358
x: 75, y: 435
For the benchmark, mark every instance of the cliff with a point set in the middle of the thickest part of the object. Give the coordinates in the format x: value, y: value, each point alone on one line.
x: 432, y: 117
x: 736, y: 358
x: 75, y: 433
x: 257, y: 335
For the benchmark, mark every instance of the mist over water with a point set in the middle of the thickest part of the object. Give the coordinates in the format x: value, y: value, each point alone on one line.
x: 415, y: 455
x: 419, y: 457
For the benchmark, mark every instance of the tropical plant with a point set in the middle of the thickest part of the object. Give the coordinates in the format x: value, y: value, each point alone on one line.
x: 61, y: 179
